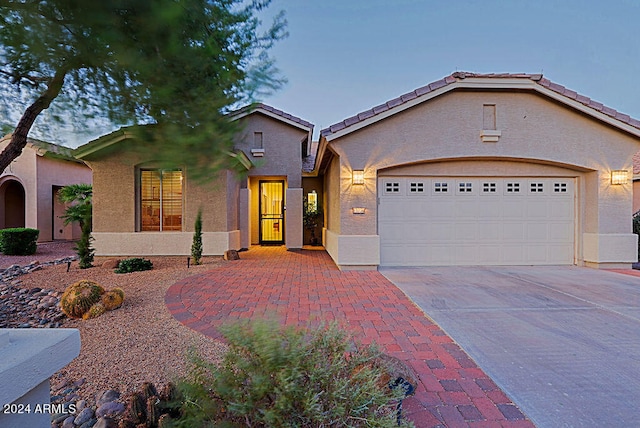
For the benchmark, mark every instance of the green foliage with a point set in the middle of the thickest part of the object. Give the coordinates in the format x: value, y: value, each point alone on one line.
x: 79, y: 209
x: 134, y: 265
x: 636, y: 227
x: 288, y: 377
x: 196, y: 247
x: 178, y: 64
x: 79, y: 198
x: 19, y: 241
x: 83, y: 246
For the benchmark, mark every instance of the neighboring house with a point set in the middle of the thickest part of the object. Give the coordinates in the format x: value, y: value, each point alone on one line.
x: 473, y: 169
x: 140, y: 209
x: 29, y: 186
x: 478, y: 169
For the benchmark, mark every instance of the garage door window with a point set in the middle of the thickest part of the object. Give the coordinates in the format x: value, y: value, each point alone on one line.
x: 488, y: 187
x: 537, y: 187
x: 560, y: 187
x: 440, y: 187
x: 513, y: 187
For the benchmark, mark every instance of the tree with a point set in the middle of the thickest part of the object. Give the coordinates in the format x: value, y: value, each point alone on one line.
x: 178, y: 64
x: 79, y: 197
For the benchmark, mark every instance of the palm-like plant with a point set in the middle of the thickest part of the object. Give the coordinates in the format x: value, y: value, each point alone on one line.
x: 78, y: 197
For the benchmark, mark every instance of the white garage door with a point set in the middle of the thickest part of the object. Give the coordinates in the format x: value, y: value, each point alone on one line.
x: 431, y: 221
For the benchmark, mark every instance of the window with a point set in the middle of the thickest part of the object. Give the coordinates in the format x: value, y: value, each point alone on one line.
x: 160, y: 200
x: 440, y: 187
x: 465, y: 187
x: 560, y: 187
x: 392, y: 187
x: 416, y: 187
x: 536, y: 187
x: 489, y: 187
x: 513, y: 187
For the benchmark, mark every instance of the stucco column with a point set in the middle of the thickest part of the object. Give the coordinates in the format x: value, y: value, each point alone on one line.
x: 608, y: 241
x: 244, y: 219
x: 293, y: 218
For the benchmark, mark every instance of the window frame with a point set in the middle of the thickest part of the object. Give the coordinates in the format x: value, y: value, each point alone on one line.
x: 161, y: 199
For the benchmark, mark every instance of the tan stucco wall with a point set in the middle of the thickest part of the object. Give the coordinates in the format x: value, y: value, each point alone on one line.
x: 533, y: 129
x: 116, y: 222
x: 282, y: 148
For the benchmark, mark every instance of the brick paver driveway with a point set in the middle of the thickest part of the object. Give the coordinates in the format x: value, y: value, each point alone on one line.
x: 305, y: 287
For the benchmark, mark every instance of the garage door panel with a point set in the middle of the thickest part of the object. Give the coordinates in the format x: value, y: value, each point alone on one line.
x: 470, y: 221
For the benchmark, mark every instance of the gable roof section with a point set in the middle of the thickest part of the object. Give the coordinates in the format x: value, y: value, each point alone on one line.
x: 273, y: 113
x: 49, y: 150
x: 460, y: 79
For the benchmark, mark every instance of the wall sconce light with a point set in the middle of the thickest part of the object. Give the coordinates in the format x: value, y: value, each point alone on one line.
x: 357, y: 177
x: 358, y: 210
x: 619, y: 176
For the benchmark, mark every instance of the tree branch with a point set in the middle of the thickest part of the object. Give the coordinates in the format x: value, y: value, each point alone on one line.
x: 19, y: 136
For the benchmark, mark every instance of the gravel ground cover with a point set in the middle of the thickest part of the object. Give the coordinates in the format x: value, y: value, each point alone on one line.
x: 140, y: 341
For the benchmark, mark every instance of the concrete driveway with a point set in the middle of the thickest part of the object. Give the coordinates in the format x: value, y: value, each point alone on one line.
x: 562, y: 342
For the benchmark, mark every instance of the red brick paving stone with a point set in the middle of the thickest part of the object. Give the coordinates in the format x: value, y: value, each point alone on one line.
x: 305, y: 288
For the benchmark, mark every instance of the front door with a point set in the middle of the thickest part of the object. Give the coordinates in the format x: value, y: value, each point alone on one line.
x: 271, y: 212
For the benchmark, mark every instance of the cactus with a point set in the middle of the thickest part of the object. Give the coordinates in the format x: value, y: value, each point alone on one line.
x: 153, y: 413
x: 112, y: 299
x: 79, y: 297
x: 148, y: 390
x: 94, y: 311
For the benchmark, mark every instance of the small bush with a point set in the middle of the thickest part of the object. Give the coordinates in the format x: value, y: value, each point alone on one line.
x: 134, y: 265
x: 19, y: 241
x: 289, y: 378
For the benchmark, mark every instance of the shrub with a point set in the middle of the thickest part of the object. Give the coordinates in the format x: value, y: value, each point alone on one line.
x: 19, y: 241
x: 83, y: 247
x: 288, y: 377
x: 79, y: 297
x: 134, y: 265
x: 196, y: 247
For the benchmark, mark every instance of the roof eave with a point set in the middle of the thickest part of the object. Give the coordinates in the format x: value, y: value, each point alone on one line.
x: 247, y: 112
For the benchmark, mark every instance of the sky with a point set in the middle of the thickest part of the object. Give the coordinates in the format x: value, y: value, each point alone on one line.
x: 346, y: 56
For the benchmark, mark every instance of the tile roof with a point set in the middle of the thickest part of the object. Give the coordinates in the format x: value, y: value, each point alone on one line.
x: 251, y: 108
x: 461, y: 75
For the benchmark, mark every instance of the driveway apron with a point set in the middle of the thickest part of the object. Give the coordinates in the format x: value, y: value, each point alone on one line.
x: 305, y: 288
x: 562, y: 342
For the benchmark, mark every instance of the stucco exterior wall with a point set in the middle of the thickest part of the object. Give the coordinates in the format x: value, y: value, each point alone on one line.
x: 38, y: 175
x: 282, y: 146
x: 533, y: 130
x: 56, y: 172
x: 116, y: 216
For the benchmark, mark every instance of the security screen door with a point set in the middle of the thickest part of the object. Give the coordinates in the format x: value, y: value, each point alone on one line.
x: 271, y: 212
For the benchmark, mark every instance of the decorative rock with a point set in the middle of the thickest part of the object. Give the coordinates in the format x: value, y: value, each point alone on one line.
x: 68, y: 422
x: 231, y: 255
x: 81, y: 404
x: 85, y: 415
x: 110, y: 263
x: 110, y: 410
x: 90, y: 423
x: 106, y: 397
x: 105, y: 423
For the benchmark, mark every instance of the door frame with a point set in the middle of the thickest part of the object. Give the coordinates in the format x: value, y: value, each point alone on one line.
x: 260, y: 239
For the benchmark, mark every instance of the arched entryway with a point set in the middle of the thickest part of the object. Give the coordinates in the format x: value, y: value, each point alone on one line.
x: 12, y: 204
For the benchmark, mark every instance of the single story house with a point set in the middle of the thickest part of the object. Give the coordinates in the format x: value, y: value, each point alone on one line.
x: 29, y: 187
x: 141, y: 209
x: 473, y: 169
